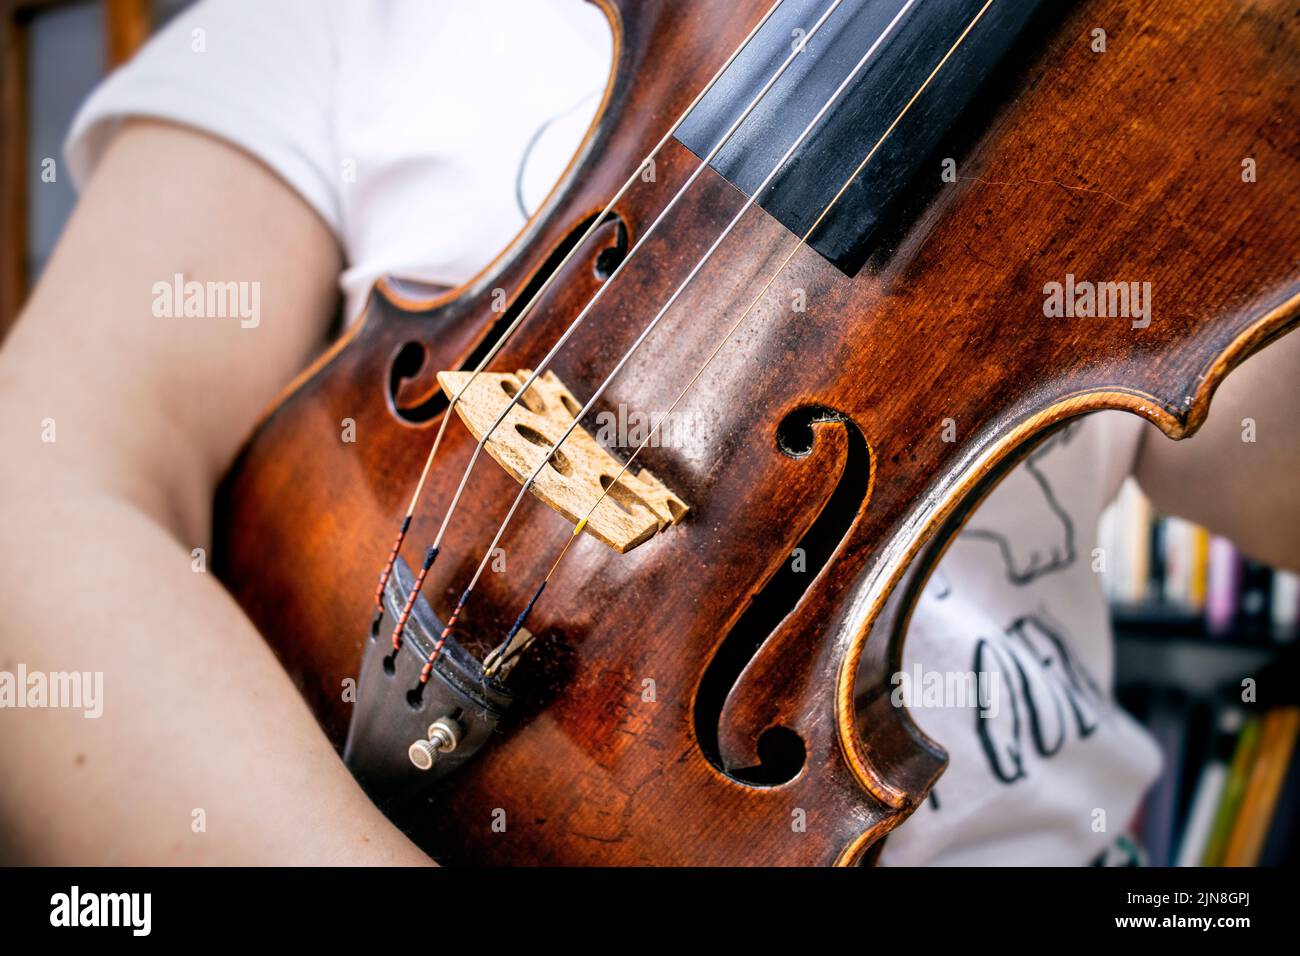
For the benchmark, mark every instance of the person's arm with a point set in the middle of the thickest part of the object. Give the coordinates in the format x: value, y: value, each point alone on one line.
x: 1248, y: 491
x: 204, y: 752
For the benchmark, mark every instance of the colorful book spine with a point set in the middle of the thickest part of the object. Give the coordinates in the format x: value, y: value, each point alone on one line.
x: 1187, y: 555
x: 1221, y: 586
x: 1140, y: 544
x: 1209, y: 788
x: 1286, y: 605
x: 1125, y: 540
x: 1234, y: 788
x: 1260, y: 801
x: 1175, y: 565
x: 1282, y: 846
x: 1198, y: 584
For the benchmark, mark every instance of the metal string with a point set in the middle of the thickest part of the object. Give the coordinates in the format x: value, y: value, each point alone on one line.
x: 499, y: 658
x: 527, y: 485
x: 527, y: 309
x: 431, y: 553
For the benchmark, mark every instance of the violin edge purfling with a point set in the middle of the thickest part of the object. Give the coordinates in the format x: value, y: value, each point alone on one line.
x: 944, y: 320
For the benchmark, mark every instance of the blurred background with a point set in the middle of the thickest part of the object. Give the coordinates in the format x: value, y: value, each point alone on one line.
x: 1201, y: 630
x: 53, y: 54
x: 1196, y: 621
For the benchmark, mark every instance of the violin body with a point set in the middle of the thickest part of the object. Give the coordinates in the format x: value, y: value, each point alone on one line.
x: 691, y: 702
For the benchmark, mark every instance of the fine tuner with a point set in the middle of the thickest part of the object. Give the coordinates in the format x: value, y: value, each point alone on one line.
x: 442, y: 738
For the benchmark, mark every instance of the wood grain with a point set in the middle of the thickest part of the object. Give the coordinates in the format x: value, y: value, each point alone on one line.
x: 1125, y: 165
x: 574, y: 478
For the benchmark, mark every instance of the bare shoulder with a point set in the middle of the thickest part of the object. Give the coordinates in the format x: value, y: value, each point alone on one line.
x: 190, y: 285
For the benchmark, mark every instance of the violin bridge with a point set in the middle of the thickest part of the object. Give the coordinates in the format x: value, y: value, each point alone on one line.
x: 636, y: 508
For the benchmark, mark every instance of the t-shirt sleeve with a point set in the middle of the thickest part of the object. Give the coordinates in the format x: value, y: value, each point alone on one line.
x: 259, y: 75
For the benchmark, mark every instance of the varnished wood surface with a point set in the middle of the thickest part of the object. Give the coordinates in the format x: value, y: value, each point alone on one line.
x: 1119, y: 166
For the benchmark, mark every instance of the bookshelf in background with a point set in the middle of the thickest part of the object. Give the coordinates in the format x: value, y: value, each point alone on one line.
x: 1193, y: 619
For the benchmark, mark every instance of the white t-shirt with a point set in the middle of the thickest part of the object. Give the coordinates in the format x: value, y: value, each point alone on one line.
x: 425, y: 132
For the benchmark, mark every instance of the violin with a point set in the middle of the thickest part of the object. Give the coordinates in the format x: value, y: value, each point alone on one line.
x: 821, y: 272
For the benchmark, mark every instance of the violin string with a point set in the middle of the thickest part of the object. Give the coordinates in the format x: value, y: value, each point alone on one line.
x: 433, y: 550
x: 527, y: 485
x: 504, y: 337
x: 502, y: 654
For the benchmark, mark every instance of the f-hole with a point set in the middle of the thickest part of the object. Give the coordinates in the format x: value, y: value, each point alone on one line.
x: 782, y: 751
x: 410, y: 358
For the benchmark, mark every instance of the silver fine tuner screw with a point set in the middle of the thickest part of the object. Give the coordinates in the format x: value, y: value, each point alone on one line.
x: 444, y: 735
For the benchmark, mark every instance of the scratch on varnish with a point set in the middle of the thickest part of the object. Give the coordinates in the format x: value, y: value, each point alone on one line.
x: 1049, y: 182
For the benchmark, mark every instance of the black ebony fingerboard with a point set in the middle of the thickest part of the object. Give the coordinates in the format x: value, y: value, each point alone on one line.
x: 808, y: 182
